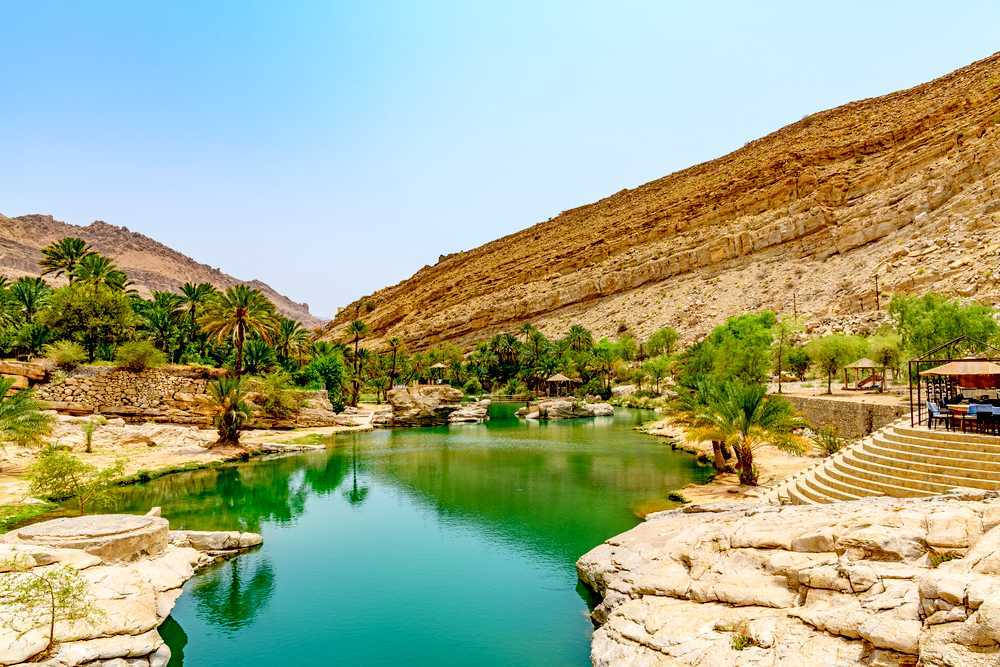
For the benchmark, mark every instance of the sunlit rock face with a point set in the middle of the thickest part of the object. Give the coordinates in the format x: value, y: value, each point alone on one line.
x: 877, y: 581
x: 132, y: 569
x: 902, y: 185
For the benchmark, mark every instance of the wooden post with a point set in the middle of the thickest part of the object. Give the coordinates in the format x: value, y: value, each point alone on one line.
x: 877, y: 307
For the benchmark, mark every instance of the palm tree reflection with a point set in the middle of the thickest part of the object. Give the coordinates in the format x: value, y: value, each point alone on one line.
x: 230, y: 596
x: 355, y: 495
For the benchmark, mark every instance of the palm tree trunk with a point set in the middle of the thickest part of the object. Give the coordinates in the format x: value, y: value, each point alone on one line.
x: 717, y: 460
x: 745, y: 456
x: 239, y: 349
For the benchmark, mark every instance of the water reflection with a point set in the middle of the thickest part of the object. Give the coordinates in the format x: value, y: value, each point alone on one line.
x: 231, y: 595
x: 356, y: 494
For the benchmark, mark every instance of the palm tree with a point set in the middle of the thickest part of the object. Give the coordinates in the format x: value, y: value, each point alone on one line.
x: 744, y: 417
x: 192, y: 297
x: 232, y: 411
x: 160, y: 316
x: 62, y: 256
x: 394, y: 345
x: 358, y: 330
x: 31, y: 338
x: 97, y: 270
x: 22, y: 421
x: 579, y: 338
x: 258, y: 357
x: 29, y: 296
x: 237, y: 313
x: 291, y: 338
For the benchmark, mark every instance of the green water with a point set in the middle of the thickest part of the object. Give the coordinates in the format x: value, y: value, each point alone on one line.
x: 436, y: 546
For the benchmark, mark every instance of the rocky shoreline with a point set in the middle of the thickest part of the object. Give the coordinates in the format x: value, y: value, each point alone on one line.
x: 883, y: 581
x: 133, y: 569
x: 564, y: 408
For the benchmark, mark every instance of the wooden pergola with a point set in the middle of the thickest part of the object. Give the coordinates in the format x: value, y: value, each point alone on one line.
x: 866, y: 372
x: 939, y: 376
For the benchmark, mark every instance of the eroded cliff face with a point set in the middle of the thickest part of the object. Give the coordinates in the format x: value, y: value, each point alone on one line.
x: 905, y: 186
x: 149, y: 264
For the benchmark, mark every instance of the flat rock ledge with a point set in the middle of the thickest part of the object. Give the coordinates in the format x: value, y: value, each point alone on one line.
x: 880, y: 581
x: 565, y: 409
x: 134, y: 568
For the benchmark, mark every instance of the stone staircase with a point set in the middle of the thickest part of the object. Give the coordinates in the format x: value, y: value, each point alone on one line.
x: 898, y: 460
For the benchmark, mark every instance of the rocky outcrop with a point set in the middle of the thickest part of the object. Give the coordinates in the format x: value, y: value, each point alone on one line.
x: 560, y: 408
x: 132, y: 567
x: 150, y: 265
x: 471, y: 412
x: 903, y: 186
x: 427, y: 405
x: 873, y: 582
x: 172, y: 394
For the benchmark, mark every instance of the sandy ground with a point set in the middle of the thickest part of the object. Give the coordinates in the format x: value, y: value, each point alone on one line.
x: 894, y: 394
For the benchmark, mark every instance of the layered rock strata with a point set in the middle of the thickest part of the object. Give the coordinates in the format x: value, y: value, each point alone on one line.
x: 874, y: 582
x: 904, y: 186
x: 133, y: 568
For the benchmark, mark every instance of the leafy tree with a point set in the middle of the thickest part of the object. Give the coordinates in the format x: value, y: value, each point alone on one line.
x: 44, y: 596
x: 744, y: 417
x: 657, y: 368
x: 22, y: 421
x: 831, y: 353
x: 737, y: 349
x: 236, y: 314
x: 784, y: 329
x: 602, y: 360
x: 231, y: 410
x: 89, y: 427
x: 61, y: 257
x: 798, y: 361
x: 886, y: 350
x: 29, y: 296
x: 93, y: 318
x: 928, y: 321
x: 330, y: 369
x: 626, y: 348
x: 662, y: 341
x: 57, y: 474
x: 137, y: 356
x: 276, y: 395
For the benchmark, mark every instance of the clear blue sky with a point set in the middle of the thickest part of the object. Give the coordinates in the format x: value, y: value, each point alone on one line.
x: 334, y: 148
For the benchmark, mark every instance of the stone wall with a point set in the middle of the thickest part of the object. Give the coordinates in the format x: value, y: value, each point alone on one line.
x: 172, y: 394
x: 850, y: 419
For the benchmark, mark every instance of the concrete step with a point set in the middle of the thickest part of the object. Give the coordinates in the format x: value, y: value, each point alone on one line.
x: 843, y: 487
x: 935, y: 481
x: 876, y: 483
x: 942, y: 461
x: 943, y: 435
x: 797, y: 497
x: 931, y: 448
x: 819, y: 492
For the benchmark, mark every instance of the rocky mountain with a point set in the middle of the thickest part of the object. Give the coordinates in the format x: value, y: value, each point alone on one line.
x: 149, y: 264
x: 905, y: 187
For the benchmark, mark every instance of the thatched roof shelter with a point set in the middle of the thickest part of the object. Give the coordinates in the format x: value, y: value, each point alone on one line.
x: 559, y: 377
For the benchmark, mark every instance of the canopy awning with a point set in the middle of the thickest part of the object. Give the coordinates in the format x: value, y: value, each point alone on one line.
x: 864, y: 362
x: 963, y: 368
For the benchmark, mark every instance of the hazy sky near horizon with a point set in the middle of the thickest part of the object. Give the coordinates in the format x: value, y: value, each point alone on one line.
x: 331, y: 149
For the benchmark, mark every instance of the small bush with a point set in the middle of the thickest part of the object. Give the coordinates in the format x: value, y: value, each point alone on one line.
x: 276, y: 395
x: 673, y: 496
x: 139, y: 355
x: 827, y: 441
x: 66, y: 354
x: 472, y: 387
x: 937, y: 558
x: 741, y: 640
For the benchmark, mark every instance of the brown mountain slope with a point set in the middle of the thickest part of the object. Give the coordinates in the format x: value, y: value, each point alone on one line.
x: 149, y: 264
x: 904, y: 186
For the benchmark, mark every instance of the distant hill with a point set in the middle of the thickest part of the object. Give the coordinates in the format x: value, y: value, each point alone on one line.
x: 149, y: 264
x: 904, y: 186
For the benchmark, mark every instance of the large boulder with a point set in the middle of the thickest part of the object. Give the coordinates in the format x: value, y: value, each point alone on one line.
x: 471, y: 412
x: 564, y: 408
x: 424, y: 405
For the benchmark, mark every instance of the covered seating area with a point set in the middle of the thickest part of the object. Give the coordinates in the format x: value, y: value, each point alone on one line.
x: 559, y: 385
x: 867, y: 375
x: 958, y: 394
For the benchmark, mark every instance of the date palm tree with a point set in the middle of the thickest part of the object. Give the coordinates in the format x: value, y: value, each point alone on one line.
x: 22, y: 421
x: 61, y: 257
x: 237, y: 313
x: 291, y: 339
x: 97, y: 270
x: 191, y: 299
x: 579, y: 338
x: 358, y: 330
x: 744, y: 417
x: 394, y: 346
x: 29, y: 296
x: 231, y: 410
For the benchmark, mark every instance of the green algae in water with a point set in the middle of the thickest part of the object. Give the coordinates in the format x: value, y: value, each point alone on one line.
x: 449, y: 545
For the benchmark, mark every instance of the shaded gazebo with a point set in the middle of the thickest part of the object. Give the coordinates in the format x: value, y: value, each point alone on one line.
x: 437, y: 371
x: 939, y: 377
x: 559, y: 383
x: 866, y: 374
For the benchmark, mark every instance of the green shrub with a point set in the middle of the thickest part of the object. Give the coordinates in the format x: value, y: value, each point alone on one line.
x: 276, y: 395
x: 472, y: 387
x: 57, y: 475
x: 937, y: 558
x: 827, y: 441
x: 66, y: 354
x: 741, y: 640
x: 139, y: 355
